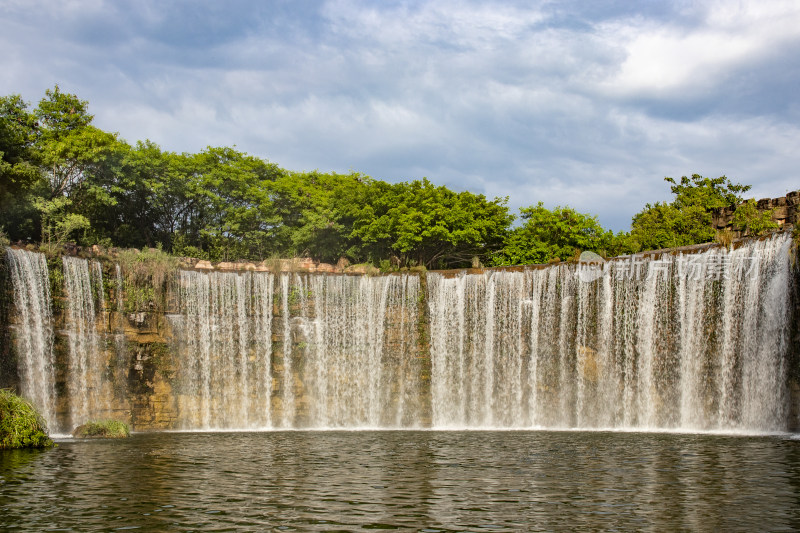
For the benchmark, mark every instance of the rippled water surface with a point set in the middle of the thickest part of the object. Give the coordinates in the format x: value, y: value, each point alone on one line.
x: 421, y: 481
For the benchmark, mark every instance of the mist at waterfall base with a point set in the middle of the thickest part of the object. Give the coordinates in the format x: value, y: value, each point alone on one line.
x: 671, y: 342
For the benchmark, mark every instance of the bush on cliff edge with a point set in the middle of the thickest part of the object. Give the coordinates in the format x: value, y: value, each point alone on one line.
x: 21, y: 426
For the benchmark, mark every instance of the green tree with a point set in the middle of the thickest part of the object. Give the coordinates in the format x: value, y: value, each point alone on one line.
x: 20, y: 178
x: 317, y: 213
x: 432, y: 226
x: 214, y: 204
x: 232, y: 200
x: 687, y: 219
x: 158, y: 196
x: 58, y: 140
x: 548, y: 235
x: 58, y: 224
x: 70, y: 147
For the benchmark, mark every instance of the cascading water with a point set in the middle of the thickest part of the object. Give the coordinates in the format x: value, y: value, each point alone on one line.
x: 88, y: 389
x: 334, y: 333
x: 695, y: 341
x: 680, y: 341
x: 120, y: 346
x: 225, y: 354
x: 287, y: 382
x: 34, y: 335
x: 98, y: 293
x: 361, y: 368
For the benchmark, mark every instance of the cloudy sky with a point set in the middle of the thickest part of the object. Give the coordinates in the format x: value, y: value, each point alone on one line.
x: 581, y: 103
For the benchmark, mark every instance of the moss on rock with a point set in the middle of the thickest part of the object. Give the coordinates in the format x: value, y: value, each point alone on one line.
x: 102, y: 429
x: 21, y: 426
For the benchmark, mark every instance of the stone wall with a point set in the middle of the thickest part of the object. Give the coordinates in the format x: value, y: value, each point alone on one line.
x: 786, y: 212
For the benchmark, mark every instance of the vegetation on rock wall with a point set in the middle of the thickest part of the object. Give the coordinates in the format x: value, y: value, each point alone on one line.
x: 145, y: 274
x: 751, y: 221
x: 687, y: 219
x: 21, y: 426
x: 8, y: 360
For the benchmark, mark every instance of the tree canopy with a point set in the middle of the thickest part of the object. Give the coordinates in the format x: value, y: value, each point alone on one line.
x: 548, y: 235
x: 62, y: 178
x: 687, y: 219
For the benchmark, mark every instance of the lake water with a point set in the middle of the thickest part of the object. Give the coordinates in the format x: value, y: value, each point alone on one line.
x: 405, y: 480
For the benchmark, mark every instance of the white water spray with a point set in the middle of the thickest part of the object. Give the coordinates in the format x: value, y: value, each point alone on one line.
x: 34, y: 335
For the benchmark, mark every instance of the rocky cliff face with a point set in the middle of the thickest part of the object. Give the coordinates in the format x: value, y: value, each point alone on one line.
x: 236, y: 345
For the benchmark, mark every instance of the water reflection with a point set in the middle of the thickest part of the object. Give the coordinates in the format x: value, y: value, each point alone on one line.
x: 433, y: 481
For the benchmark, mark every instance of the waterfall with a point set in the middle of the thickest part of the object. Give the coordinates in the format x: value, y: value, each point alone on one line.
x: 225, y: 352
x: 287, y: 383
x: 118, y: 289
x: 671, y: 341
x: 360, y: 360
x: 477, y: 349
x: 89, y: 394
x: 98, y: 293
x: 262, y: 340
x: 34, y: 334
x: 120, y: 345
x: 348, y: 350
x: 656, y: 341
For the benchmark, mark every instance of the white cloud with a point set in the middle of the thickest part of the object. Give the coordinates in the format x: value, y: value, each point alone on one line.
x: 665, y: 58
x: 532, y: 101
x: 453, y: 23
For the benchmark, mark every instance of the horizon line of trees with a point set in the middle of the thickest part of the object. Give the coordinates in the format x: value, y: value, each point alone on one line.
x: 63, y: 179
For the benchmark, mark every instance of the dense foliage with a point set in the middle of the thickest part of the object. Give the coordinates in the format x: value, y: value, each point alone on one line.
x: 20, y: 425
x: 62, y: 179
x: 555, y: 235
x: 102, y: 429
x: 687, y: 219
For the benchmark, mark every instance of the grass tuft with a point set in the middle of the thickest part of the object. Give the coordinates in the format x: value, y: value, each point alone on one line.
x: 724, y: 237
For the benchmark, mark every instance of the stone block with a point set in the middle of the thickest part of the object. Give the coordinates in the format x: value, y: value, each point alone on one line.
x: 307, y: 264
x: 781, y: 212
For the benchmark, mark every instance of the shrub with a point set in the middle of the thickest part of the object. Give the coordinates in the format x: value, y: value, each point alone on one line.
x: 146, y: 273
x: 724, y: 237
x: 102, y: 429
x: 751, y: 221
x: 21, y: 426
x: 151, y: 265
